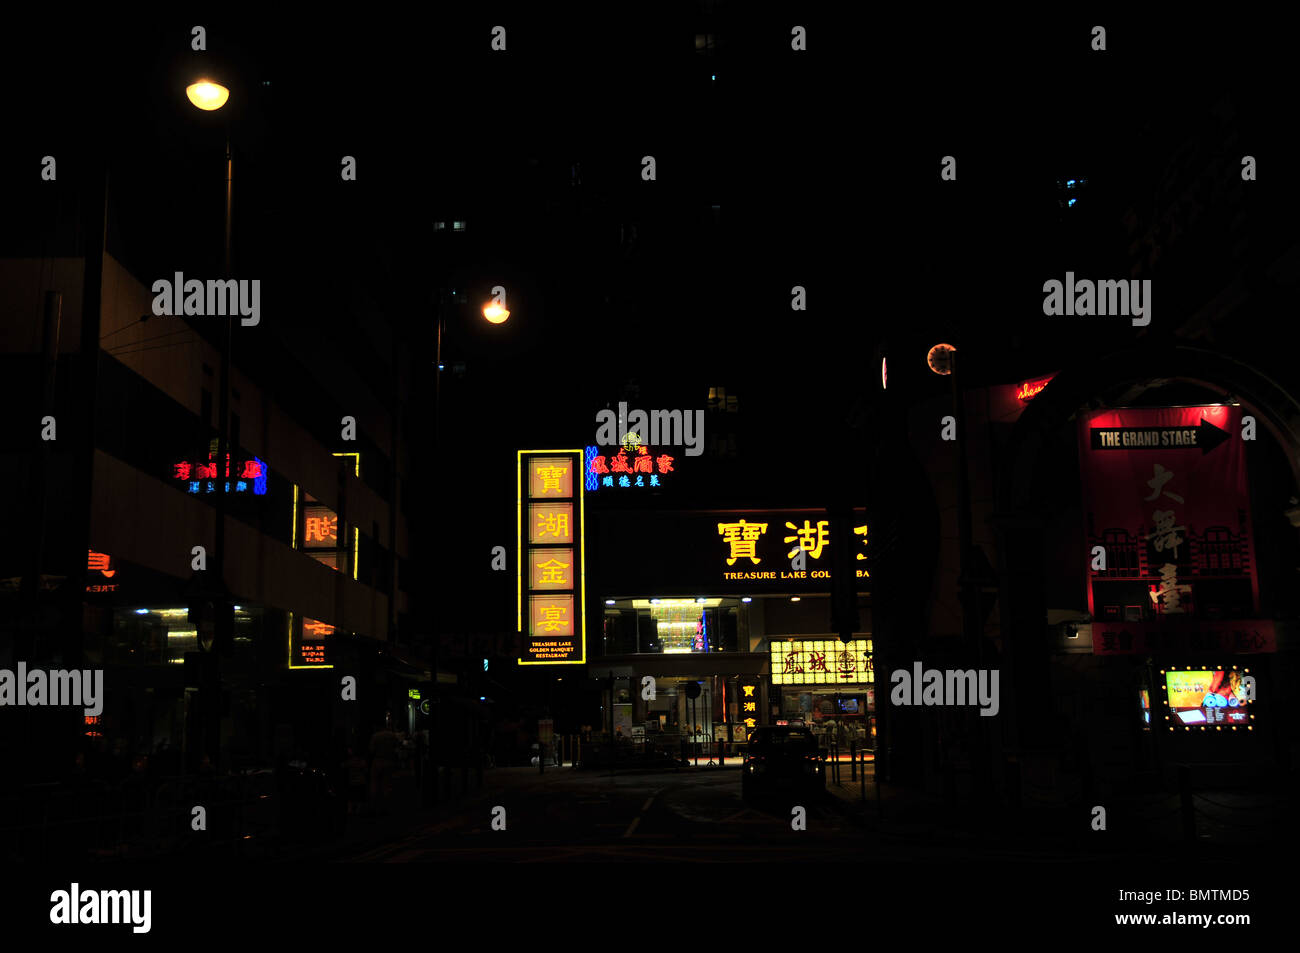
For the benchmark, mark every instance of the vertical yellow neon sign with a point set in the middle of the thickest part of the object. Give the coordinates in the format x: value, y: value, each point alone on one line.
x: 581, y: 541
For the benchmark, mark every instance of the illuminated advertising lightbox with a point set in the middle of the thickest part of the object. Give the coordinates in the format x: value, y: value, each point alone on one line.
x: 766, y: 547
x: 1167, y: 516
x: 308, y: 643
x: 1208, y: 698
x: 736, y: 552
x: 550, y: 547
x: 821, y: 662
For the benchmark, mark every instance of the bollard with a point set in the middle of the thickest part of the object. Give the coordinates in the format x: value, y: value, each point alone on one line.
x: 578, y: 756
x: 853, y: 761
x: 862, y: 776
x: 1189, y: 810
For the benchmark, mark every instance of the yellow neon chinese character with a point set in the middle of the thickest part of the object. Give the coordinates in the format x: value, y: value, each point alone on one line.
x: 750, y: 722
x: 742, y: 538
x: 551, y: 477
x: 749, y: 690
x: 810, y: 540
x: 861, y: 531
x: 555, y: 524
x: 751, y: 706
x: 553, y: 618
x: 551, y: 571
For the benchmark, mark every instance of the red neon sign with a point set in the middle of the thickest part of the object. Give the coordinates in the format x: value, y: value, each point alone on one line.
x: 1030, y: 389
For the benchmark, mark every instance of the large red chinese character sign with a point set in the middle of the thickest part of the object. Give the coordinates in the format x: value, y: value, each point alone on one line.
x: 1168, y: 517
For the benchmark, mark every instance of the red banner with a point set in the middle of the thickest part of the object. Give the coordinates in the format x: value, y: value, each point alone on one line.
x: 1166, y: 500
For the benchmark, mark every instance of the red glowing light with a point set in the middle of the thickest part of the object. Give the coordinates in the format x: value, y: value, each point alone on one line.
x: 618, y: 464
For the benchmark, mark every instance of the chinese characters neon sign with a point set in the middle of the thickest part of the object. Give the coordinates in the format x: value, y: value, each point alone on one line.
x: 552, y: 615
x: 748, y: 703
x: 100, y: 563
x: 200, y: 477
x: 630, y: 467
x: 754, y: 545
x: 308, y: 646
x: 821, y: 662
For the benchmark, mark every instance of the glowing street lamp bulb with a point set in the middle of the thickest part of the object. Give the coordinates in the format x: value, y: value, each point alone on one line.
x: 495, y: 313
x: 207, y: 95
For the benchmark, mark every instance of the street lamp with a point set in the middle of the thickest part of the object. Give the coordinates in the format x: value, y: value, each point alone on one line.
x: 495, y: 313
x: 207, y: 95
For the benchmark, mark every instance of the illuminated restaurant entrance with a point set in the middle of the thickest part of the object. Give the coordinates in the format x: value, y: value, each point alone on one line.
x: 741, y: 612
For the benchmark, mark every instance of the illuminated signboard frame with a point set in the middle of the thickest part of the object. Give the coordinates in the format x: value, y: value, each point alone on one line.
x: 1174, y: 722
x: 298, y: 646
x: 648, y: 475
x: 830, y: 649
x: 757, y: 546
x: 578, y: 461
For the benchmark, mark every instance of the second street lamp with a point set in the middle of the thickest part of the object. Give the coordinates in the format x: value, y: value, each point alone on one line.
x: 495, y: 314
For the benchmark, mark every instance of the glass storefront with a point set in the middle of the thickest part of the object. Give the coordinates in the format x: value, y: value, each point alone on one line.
x: 845, y: 713
x: 675, y: 627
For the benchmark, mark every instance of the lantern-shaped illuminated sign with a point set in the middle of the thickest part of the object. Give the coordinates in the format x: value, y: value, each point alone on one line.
x: 551, y: 526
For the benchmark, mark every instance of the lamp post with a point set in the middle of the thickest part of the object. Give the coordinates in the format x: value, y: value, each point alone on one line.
x: 493, y: 313
x: 209, y: 96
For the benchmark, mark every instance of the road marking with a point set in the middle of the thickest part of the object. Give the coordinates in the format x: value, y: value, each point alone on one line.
x: 644, y: 807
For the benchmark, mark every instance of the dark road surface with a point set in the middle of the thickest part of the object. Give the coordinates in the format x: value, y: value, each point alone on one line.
x: 577, y: 816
